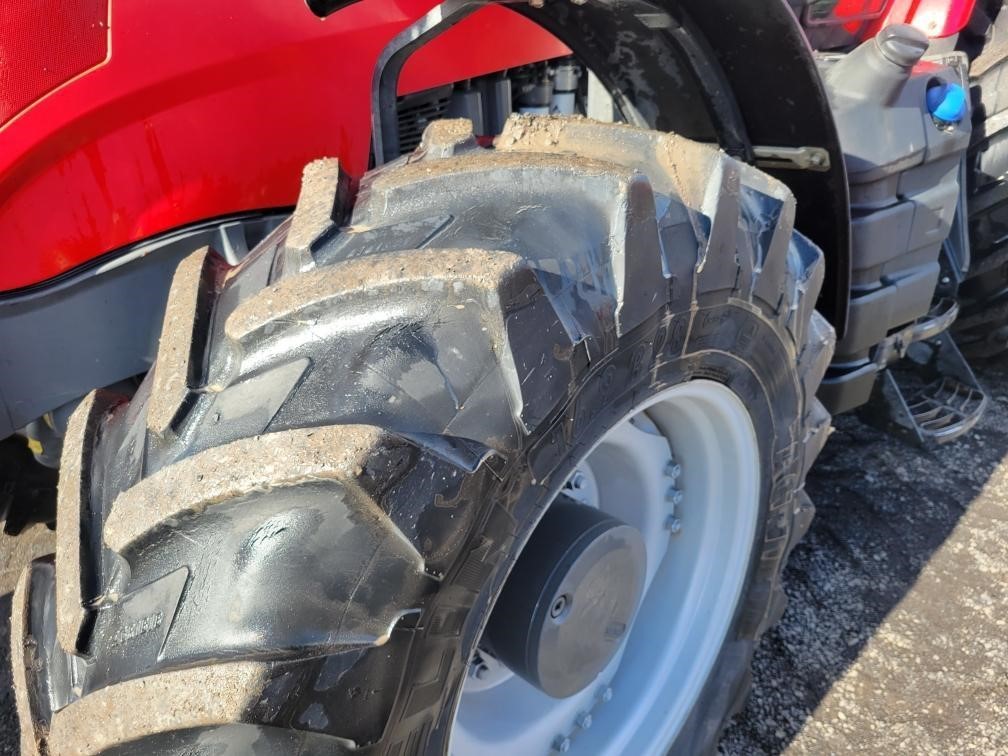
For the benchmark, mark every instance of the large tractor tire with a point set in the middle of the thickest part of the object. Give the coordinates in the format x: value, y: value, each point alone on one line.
x: 982, y: 326
x: 586, y: 359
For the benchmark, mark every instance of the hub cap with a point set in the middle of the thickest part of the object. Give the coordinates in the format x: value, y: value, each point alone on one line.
x: 569, y: 601
x: 694, y: 513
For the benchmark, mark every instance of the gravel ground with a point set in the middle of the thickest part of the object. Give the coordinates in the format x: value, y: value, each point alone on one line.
x: 895, y: 637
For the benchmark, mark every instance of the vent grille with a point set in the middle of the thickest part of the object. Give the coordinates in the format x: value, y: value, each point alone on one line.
x: 415, y: 111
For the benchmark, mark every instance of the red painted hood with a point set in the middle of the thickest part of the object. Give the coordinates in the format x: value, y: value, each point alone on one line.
x: 198, y: 111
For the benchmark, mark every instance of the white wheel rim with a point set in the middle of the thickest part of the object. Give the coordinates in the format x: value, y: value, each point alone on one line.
x: 695, y: 576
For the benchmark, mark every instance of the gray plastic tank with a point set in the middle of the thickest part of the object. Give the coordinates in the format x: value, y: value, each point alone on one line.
x: 903, y: 168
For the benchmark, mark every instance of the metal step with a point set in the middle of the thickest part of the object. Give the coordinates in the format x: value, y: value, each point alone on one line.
x: 931, y: 393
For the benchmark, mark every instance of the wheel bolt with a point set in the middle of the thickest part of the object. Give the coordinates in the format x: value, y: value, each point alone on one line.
x: 605, y: 694
x: 673, y: 524
x: 482, y: 671
x: 577, y: 480
x: 672, y: 470
x: 561, y: 743
x: 674, y: 496
x: 584, y: 720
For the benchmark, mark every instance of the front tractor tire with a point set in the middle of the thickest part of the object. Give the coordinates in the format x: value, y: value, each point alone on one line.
x: 586, y: 358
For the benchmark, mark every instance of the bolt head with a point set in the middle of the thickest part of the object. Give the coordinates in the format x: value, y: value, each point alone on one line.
x: 584, y: 720
x: 561, y: 743
x: 577, y: 480
x: 605, y: 695
x: 674, y: 496
x: 673, y: 470
x: 673, y: 524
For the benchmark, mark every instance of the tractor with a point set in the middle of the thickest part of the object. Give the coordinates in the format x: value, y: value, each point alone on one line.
x: 443, y: 378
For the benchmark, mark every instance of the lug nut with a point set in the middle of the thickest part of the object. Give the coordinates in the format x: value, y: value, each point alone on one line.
x: 672, y: 470
x: 561, y: 743
x: 605, y: 694
x: 584, y: 720
x: 674, y: 496
x: 577, y: 480
x: 673, y: 524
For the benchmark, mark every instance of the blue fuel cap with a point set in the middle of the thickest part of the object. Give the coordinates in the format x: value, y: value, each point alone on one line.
x: 947, y: 103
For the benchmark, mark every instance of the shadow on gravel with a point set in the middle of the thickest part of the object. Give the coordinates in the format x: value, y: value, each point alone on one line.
x: 884, y: 507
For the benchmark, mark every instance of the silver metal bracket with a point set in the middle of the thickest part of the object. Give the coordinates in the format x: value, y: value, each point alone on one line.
x: 937, y: 321
x: 792, y: 158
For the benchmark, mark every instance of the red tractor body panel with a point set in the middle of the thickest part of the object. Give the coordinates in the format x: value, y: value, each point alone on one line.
x: 199, y: 111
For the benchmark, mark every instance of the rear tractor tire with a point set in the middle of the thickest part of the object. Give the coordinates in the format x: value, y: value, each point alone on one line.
x: 586, y: 358
x: 982, y: 326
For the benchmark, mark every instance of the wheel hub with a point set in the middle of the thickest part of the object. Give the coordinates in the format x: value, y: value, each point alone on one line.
x: 570, y: 599
x: 661, y: 471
